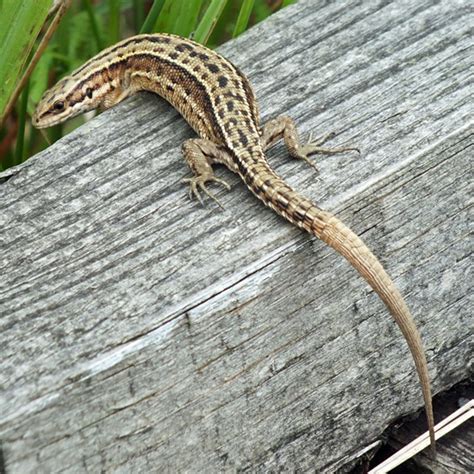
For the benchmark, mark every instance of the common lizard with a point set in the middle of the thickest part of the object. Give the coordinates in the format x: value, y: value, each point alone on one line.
x: 218, y: 102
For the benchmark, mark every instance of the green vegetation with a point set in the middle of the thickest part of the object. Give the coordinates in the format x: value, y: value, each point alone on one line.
x: 86, y: 28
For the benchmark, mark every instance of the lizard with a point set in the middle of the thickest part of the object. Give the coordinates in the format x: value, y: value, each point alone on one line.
x: 218, y: 102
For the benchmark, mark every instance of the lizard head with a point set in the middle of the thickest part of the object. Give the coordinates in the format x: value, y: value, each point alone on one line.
x: 74, y: 95
x: 63, y: 101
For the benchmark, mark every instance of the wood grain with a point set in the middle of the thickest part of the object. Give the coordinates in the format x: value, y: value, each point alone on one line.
x: 142, y: 332
x: 454, y: 450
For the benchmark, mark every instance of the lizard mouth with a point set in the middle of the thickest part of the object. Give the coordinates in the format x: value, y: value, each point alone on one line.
x: 41, y: 123
x: 36, y: 122
x: 45, y: 121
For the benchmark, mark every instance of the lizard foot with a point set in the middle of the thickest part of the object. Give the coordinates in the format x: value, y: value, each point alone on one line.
x: 314, y: 147
x: 197, y: 183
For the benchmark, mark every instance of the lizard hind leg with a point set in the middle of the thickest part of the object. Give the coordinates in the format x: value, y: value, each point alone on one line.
x: 201, y: 154
x: 284, y: 127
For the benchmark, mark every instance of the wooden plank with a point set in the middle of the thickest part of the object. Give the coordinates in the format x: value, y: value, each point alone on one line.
x: 454, y: 451
x: 142, y: 332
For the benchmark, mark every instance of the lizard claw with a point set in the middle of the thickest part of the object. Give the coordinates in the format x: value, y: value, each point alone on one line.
x: 197, y: 183
x: 314, y: 146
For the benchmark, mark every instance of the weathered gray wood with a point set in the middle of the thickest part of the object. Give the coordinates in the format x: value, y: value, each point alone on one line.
x: 454, y: 451
x: 141, y: 332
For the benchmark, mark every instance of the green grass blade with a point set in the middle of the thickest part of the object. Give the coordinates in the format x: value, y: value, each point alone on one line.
x: 261, y: 11
x: 243, y: 18
x: 94, y: 24
x: 15, y: 45
x: 152, y: 16
x: 287, y: 2
x: 39, y: 79
x: 168, y: 16
x: 187, y: 18
x: 20, y: 137
x: 138, y: 14
x: 114, y: 21
x: 209, y: 20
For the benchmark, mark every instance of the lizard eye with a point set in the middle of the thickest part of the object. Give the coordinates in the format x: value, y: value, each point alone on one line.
x: 58, y: 105
x: 89, y: 92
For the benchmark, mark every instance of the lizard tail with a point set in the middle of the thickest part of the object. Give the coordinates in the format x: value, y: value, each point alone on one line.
x: 334, y: 233
x: 302, y: 212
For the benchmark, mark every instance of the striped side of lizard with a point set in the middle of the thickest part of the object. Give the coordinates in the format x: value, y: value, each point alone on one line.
x: 218, y: 102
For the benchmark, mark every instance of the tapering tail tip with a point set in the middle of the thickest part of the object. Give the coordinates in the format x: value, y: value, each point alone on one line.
x: 433, y: 452
x: 344, y: 241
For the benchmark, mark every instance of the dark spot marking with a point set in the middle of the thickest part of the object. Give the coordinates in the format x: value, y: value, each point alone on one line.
x: 298, y: 215
x: 221, y: 113
x: 233, y: 121
x: 212, y: 67
x: 204, y: 57
x: 222, y: 80
x: 283, y: 201
x: 197, y: 68
x: 243, y: 139
x: 183, y: 46
x: 217, y: 100
x: 158, y: 39
x: 173, y: 55
x: 205, y: 77
x: 230, y: 106
x: 237, y: 97
x: 187, y: 91
x: 249, y: 174
x: 169, y: 88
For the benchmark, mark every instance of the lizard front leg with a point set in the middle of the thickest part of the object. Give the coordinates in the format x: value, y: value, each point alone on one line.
x: 284, y: 127
x: 201, y: 154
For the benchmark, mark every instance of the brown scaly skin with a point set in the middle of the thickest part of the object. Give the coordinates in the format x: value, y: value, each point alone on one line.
x: 217, y: 100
